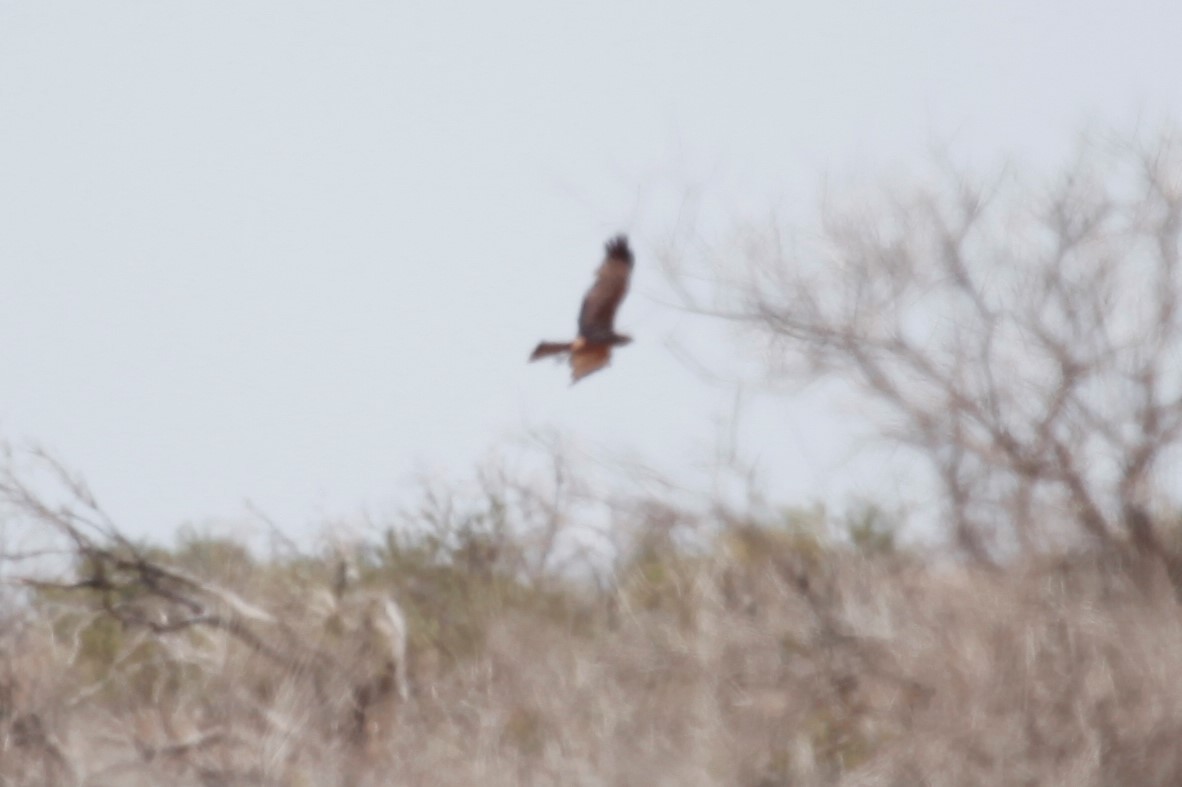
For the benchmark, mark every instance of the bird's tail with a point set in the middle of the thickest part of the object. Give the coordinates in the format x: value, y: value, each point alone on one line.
x: 546, y: 349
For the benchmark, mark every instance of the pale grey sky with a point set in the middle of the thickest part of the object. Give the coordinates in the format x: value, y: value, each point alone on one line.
x: 294, y: 251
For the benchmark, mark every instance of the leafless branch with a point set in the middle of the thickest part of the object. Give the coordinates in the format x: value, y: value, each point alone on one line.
x: 1027, y: 344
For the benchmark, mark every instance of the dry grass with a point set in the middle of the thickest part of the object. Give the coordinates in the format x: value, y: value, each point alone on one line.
x: 769, y: 661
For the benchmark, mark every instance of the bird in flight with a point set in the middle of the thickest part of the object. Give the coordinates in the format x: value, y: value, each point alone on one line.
x: 592, y: 348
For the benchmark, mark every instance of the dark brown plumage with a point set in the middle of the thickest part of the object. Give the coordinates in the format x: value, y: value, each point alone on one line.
x: 592, y: 348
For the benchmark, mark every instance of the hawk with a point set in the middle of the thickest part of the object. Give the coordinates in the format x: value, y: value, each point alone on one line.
x: 592, y: 348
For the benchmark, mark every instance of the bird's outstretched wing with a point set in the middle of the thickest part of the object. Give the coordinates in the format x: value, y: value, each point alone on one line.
x: 598, y: 315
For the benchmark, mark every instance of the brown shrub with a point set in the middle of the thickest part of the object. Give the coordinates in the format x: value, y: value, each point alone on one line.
x: 767, y: 661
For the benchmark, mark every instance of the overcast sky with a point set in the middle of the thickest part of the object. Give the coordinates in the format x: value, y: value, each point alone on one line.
x: 296, y: 252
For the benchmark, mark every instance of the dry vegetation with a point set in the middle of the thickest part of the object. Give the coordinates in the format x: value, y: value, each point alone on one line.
x: 795, y: 649
x: 1029, y: 351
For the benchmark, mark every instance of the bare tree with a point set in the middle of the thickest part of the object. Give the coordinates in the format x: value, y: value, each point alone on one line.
x: 1026, y: 341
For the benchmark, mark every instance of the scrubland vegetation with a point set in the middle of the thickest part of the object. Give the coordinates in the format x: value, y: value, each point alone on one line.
x: 773, y: 652
x: 1022, y: 344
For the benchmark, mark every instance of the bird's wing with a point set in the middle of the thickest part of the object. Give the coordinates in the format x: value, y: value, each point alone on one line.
x: 597, y: 317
